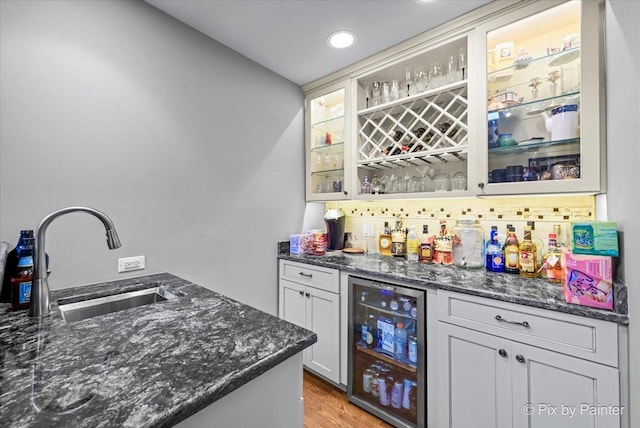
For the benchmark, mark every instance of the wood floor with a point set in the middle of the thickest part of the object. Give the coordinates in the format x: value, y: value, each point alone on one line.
x: 326, y: 406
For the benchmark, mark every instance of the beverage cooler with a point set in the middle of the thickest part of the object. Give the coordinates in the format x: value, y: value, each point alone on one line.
x: 387, y: 351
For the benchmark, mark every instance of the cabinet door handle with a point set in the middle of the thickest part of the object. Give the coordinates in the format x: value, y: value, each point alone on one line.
x: 520, y: 358
x: 308, y: 275
x: 301, y: 292
x: 346, y: 193
x: 502, y: 353
x: 307, y: 294
x: 481, y: 185
x: 523, y: 323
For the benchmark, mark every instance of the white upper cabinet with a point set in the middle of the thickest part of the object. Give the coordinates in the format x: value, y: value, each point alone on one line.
x: 543, y: 103
x: 506, y: 100
x: 327, y: 123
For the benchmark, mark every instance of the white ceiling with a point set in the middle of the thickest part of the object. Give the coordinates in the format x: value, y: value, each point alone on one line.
x: 290, y: 36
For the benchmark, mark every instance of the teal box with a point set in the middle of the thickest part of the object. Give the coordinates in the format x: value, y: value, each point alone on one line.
x: 595, y: 237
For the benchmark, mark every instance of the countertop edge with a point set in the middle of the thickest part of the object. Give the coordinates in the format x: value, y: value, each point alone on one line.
x: 562, y: 307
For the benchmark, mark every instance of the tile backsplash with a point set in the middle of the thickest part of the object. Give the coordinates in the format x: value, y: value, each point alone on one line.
x: 544, y: 211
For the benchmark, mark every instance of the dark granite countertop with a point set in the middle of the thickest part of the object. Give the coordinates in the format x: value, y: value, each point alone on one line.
x: 500, y: 286
x: 150, y: 366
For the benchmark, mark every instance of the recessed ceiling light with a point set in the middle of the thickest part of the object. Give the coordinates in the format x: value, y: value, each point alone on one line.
x: 341, y: 39
x: 425, y: 1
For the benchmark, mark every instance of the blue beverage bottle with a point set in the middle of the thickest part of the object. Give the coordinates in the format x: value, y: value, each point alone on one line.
x: 494, y: 261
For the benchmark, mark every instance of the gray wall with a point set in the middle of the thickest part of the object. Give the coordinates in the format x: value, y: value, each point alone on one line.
x: 623, y: 159
x: 194, y: 151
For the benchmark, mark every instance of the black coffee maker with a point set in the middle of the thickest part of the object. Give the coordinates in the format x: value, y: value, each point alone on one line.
x: 335, y: 229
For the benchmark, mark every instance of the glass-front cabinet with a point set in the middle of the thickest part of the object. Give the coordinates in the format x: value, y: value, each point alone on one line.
x: 543, y: 100
x: 327, y: 153
x: 411, y: 132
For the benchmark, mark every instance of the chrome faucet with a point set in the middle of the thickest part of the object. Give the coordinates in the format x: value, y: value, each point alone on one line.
x: 40, y: 305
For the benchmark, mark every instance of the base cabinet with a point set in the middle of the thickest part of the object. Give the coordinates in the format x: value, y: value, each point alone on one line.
x: 489, y: 381
x: 319, y: 311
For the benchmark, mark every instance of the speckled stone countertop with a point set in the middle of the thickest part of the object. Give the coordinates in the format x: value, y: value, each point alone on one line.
x: 150, y: 366
x: 500, y: 286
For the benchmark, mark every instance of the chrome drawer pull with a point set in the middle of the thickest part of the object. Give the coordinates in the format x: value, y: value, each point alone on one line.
x: 308, y: 275
x: 523, y: 323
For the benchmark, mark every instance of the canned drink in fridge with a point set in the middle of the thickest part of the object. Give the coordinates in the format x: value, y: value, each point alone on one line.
x: 367, y: 379
x: 413, y: 349
x: 407, y: 385
x: 385, y: 398
x: 396, y: 395
x: 374, y: 384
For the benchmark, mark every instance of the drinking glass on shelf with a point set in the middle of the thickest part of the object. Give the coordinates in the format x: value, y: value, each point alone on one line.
x: 462, y: 63
x: 386, y: 92
x: 435, y: 75
x: 376, y: 184
x: 419, y: 77
x: 442, y: 182
x: 459, y: 181
x: 452, y: 70
x: 395, y: 90
x: 408, y: 84
x: 368, y: 101
x: 376, y: 90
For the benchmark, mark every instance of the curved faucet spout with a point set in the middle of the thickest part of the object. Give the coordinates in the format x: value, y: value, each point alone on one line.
x: 40, y: 305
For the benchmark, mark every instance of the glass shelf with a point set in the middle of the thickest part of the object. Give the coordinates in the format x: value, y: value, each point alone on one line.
x: 327, y: 123
x: 329, y: 172
x: 568, y: 98
x: 531, y: 147
x: 387, y: 311
x: 330, y: 148
x: 555, y: 60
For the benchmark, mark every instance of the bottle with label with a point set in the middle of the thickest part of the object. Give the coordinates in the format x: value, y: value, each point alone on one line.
x: 369, y: 331
x: 413, y: 349
x: 537, y: 241
x: 511, y: 252
x: 551, y: 267
x: 528, y: 255
x: 384, y: 241
x: 494, y: 257
x: 10, y: 269
x: 443, y: 245
x: 21, y: 279
x: 399, y: 240
x: 400, y: 342
x: 426, y: 247
x: 413, y: 245
x: 560, y: 241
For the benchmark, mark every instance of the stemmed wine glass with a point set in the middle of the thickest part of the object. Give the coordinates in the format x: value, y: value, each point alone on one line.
x: 462, y: 63
x: 426, y: 181
x: 535, y: 107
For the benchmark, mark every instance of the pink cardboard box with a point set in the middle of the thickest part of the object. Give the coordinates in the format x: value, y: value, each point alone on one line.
x: 588, y: 280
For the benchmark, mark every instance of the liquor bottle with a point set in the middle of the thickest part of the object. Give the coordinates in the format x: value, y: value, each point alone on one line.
x: 528, y: 255
x: 21, y: 279
x: 426, y: 247
x: 551, y: 266
x: 398, y: 240
x: 442, y: 246
x: 413, y: 245
x: 11, y: 266
x: 560, y: 240
x: 539, y: 242
x: 511, y: 252
x: 494, y: 255
x: 384, y: 241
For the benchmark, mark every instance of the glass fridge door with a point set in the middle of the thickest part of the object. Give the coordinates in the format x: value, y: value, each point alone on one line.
x: 386, y: 362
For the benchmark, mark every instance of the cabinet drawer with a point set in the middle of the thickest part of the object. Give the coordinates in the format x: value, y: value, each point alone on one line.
x: 582, y: 337
x: 314, y: 276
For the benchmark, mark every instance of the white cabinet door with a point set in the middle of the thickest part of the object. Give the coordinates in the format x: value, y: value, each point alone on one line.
x: 323, y: 318
x: 565, y: 392
x: 292, y: 303
x: 474, y: 379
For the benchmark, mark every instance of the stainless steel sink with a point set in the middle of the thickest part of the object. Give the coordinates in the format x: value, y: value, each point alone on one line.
x: 78, y: 311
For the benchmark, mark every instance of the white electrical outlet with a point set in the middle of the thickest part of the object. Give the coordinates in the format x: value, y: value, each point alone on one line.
x: 127, y: 264
x: 367, y: 229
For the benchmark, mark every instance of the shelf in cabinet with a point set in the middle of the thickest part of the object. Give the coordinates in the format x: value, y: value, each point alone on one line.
x: 324, y: 123
x: 329, y: 172
x: 532, y: 147
x: 330, y: 148
x: 445, y: 155
x: 526, y: 108
x: 387, y: 311
x: 555, y: 60
x: 379, y: 354
x: 379, y: 110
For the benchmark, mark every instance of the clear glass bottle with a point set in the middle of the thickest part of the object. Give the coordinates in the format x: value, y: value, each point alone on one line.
x: 399, y: 240
x: 528, y: 255
x: 366, y: 188
x: 468, y: 244
x: 551, y: 266
x: 413, y: 245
